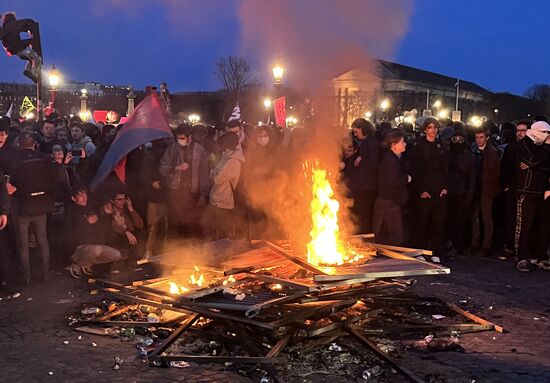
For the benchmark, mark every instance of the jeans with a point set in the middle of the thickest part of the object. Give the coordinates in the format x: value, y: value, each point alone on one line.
x: 39, y: 225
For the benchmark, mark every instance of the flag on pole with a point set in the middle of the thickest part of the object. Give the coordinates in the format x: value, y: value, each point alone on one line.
x: 10, y: 111
x: 147, y: 123
x: 235, y: 114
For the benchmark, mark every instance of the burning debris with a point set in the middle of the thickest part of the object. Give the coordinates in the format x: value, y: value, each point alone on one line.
x: 262, y: 304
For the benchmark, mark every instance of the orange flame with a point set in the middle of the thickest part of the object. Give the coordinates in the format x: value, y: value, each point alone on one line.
x: 176, y: 289
x: 197, y: 279
x: 325, y: 247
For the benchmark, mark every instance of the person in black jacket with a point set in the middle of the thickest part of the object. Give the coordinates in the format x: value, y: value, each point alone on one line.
x: 430, y: 183
x: 532, y: 196
x: 33, y: 180
x: 508, y: 183
x: 367, y: 163
x: 4, y: 241
x: 462, y: 177
x: 11, y: 40
x: 392, y: 191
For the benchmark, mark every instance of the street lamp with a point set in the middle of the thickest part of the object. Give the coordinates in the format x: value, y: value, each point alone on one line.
x: 83, y: 100
x: 368, y: 115
x: 267, y: 103
x: 385, y: 104
x: 437, y: 104
x: 443, y: 113
x: 53, y: 78
x: 194, y: 118
x: 278, y: 72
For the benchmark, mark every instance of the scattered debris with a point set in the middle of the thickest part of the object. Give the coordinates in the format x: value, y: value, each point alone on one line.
x: 371, y: 373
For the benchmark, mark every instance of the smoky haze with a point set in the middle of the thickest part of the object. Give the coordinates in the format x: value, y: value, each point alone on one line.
x: 316, y: 41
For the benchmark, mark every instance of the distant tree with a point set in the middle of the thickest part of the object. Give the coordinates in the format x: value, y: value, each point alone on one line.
x: 234, y: 74
x: 539, y: 92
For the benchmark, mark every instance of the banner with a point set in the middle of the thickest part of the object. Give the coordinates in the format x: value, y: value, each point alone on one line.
x: 280, y: 111
x: 26, y: 106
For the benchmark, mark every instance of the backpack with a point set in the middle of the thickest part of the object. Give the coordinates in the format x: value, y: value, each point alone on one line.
x: 34, y: 181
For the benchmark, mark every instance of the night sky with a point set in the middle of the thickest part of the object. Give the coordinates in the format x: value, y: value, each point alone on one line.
x: 501, y: 45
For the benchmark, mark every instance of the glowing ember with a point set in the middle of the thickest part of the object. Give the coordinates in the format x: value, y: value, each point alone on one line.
x: 197, y: 279
x: 276, y: 287
x: 231, y: 279
x: 325, y: 247
x: 175, y: 289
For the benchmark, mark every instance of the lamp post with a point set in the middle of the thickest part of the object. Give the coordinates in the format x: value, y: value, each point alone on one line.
x: 385, y: 105
x: 131, y: 96
x: 278, y: 72
x: 83, y: 100
x: 53, y: 78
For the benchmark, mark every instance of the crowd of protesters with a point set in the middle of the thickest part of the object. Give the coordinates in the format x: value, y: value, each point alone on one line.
x: 436, y: 185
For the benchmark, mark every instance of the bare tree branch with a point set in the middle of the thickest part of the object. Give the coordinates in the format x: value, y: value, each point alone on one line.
x: 234, y: 74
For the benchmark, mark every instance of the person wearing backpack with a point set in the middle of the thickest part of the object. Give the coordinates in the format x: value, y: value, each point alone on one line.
x: 32, y: 180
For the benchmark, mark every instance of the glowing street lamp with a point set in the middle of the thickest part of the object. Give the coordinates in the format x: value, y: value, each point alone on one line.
x: 54, y: 77
x: 385, y: 104
x: 443, y: 113
x: 368, y: 115
x: 278, y: 72
x: 267, y: 103
x: 194, y: 118
x: 437, y: 104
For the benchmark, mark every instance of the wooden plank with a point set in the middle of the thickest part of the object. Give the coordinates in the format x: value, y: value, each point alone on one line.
x: 280, y: 345
x: 114, y: 313
x: 297, y: 260
x: 255, y: 310
x: 175, y: 335
x: 473, y: 317
x: 377, y: 275
x: 402, y: 249
x: 285, y: 282
x: 411, y: 377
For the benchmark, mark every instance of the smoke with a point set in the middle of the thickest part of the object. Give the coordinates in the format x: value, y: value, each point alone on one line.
x: 316, y: 41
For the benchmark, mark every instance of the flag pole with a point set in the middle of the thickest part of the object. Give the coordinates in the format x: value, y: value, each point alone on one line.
x: 457, y: 91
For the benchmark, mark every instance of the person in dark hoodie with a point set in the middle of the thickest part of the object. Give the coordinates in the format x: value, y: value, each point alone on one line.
x: 367, y: 163
x: 392, y: 191
x: 508, y: 183
x: 462, y: 177
x: 429, y: 168
x: 533, y: 197
x: 184, y: 166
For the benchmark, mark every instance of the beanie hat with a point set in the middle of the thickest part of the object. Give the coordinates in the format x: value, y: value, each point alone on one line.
x: 539, y: 132
x: 229, y: 141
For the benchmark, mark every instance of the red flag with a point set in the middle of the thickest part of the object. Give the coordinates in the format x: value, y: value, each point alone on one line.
x: 120, y: 170
x: 280, y: 111
x: 100, y: 115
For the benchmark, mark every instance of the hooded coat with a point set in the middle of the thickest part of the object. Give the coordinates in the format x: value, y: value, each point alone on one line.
x: 225, y: 177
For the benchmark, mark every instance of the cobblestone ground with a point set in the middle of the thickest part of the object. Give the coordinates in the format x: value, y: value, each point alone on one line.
x: 34, y: 332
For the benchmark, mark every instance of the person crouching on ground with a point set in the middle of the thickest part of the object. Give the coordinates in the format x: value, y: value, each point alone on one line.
x: 125, y: 232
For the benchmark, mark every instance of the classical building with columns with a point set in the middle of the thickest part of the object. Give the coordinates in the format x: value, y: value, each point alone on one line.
x: 359, y: 93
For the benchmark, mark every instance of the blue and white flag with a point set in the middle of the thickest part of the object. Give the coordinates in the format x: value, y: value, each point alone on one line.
x: 235, y: 114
